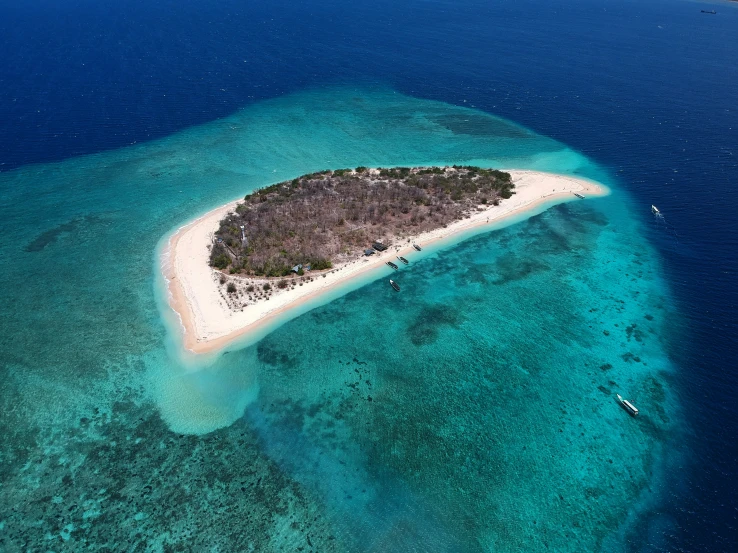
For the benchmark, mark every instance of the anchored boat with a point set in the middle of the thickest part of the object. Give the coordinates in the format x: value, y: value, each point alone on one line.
x: 395, y: 285
x: 416, y: 247
x: 392, y: 265
x: 405, y: 261
x: 627, y: 405
x: 655, y: 210
x: 579, y: 196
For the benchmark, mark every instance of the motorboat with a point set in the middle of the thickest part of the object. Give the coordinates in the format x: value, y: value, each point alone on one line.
x: 627, y: 405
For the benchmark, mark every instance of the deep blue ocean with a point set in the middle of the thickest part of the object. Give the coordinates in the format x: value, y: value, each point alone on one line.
x: 645, y: 90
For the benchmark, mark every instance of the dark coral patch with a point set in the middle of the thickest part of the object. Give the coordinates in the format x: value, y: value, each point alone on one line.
x: 633, y: 332
x: 273, y: 355
x: 426, y: 325
x: 478, y: 125
x: 475, y: 274
x: 511, y: 268
x: 51, y: 236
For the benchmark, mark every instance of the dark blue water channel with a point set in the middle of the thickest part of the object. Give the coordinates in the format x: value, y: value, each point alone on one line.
x: 646, y: 89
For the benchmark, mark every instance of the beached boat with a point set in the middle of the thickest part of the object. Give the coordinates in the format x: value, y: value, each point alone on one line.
x: 416, y: 247
x: 627, y: 405
x: 579, y: 196
x: 395, y: 285
x: 392, y: 265
x: 405, y: 261
x: 655, y: 210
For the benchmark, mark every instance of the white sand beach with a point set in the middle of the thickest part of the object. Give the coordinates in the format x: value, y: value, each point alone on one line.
x: 209, y: 323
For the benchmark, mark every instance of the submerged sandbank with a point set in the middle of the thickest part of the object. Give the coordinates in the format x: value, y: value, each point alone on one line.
x: 208, y: 323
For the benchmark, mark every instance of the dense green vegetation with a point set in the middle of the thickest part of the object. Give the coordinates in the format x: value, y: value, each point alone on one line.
x: 331, y: 216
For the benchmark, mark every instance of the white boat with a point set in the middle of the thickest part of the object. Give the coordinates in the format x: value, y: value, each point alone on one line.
x: 627, y: 405
x: 655, y: 210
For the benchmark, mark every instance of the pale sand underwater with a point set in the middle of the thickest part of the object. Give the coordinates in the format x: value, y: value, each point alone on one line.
x: 208, y: 323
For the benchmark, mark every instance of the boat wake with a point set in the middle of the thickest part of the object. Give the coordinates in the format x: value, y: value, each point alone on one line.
x: 661, y: 220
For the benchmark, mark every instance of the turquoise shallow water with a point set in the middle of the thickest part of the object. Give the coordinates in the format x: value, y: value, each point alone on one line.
x: 473, y: 411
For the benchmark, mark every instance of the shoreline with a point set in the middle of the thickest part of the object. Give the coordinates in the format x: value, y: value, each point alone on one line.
x: 208, y: 324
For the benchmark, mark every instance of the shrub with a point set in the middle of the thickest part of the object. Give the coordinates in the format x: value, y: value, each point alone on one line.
x: 221, y: 261
x: 282, y: 284
x: 231, y: 288
x: 320, y: 264
x: 266, y: 287
x: 250, y: 288
x: 222, y: 279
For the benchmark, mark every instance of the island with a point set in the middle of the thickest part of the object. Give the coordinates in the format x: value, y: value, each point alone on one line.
x: 242, y: 264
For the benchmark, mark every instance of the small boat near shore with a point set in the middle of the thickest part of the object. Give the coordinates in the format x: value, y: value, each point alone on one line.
x: 405, y: 261
x: 416, y: 247
x: 395, y: 267
x: 627, y: 405
x: 395, y: 285
x: 579, y: 196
